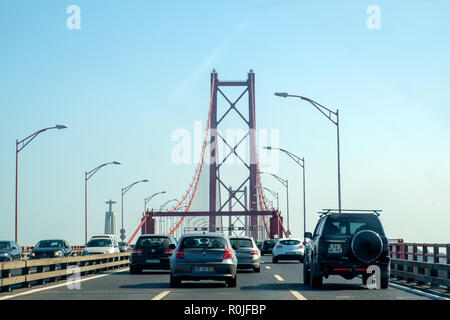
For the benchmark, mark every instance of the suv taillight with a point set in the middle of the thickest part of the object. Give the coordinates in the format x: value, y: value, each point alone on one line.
x: 180, y: 253
x: 254, y: 252
x: 169, y: 251
x: 137, y: 250
x: 228, y: 254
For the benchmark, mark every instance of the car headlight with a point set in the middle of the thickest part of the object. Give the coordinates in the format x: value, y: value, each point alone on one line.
x: 33, y: 254
x: 58, y: 253
x: 4, y: 254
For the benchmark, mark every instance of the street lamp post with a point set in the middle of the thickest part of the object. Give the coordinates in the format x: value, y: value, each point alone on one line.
x: 335, y: 122
x: 19, y: 146
x: 286, y: 184
x: 125, y: 190
x: 87, y: 176
x: 301, y: 163
x: 146, y: 200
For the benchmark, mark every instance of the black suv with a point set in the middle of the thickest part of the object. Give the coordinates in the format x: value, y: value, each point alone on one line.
x: 152, y: 252
x: 346, y: 244
x: 268, y: 246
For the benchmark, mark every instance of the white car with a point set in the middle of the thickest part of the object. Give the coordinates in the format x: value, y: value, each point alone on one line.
x: 288, y: 249
x: 101, y: 245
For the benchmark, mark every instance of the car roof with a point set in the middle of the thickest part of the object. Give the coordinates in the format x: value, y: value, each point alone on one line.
x: 104, y: 236
x: 284, y: 239
x: 206, y: 234
x: 243, y: 237
x: 155, y: 235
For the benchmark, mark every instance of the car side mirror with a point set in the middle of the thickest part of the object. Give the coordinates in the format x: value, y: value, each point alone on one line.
x: 235, y: 246
x: 172, y: 246
x: 308, y: 235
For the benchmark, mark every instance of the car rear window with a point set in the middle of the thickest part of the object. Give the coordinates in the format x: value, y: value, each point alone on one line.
x: 242, y: 243
x: 153, y: 242
x: 350, y: 225
x: 290, y: 242
x: 204, y: 242
x: 4, y: 245
x: 99, y: 243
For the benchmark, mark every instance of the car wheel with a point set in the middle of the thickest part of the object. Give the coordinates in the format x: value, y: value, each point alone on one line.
x: 174, y: 283
x: 306, y: 275
x: 257, y: 269
x: 232, y: 282
x: 274, y: 259
x: 135, y: 270
x: 384, y: 282
x: 315, y: 277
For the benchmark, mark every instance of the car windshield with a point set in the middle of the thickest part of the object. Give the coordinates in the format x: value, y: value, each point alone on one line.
x: 50, y: 244
x: 122, y: 244
x: 290, y: 242
x: 242, y: 243
x: 100, y: 243
x: 204, y: 242
x: 350, y: 225
x: 153, y: 242
x: 269, y: 242
x: 4, y: 245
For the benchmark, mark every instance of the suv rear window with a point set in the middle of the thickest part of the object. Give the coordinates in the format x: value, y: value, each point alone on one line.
x: 350, y: 225
x: 204, y: 243
x: 269, y: 242
x: 290, y: 242
x: 242, y: 243
x: 152, y: 242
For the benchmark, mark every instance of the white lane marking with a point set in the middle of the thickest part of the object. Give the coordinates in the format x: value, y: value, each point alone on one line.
x: 278, y: 277
x: 267, y: 267
x: 57, y: 286
x: 161, y: 295
x: 298, y: 295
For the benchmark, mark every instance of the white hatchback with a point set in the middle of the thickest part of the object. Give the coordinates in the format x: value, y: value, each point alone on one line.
x: 288, y: 249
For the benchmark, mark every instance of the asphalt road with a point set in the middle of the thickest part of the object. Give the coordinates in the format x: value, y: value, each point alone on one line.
x: 282, y: 281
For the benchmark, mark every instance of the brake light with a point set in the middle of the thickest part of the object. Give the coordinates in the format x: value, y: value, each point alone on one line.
x: 301, y: 246
x: 279, y: 246
x: 180, y: 253
x: 254, y: 252
x: 169, y: 251
x: 137, y: 250
x: 228, y: 254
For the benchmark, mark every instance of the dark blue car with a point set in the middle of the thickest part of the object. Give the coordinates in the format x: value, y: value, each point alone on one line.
x: 51, y: 249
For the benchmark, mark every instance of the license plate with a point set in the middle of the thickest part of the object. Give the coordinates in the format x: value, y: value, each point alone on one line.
x: 203, y: 269
x: 292, y: 253
x: 334, y: 248
x: 152, y: 261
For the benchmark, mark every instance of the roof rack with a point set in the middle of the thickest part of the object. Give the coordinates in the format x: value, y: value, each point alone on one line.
x: 328, y: 211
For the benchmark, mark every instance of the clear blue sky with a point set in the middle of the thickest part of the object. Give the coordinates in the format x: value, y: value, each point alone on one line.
x: 136, y: 71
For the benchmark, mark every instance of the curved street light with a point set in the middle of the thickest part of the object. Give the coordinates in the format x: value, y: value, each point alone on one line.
x: 125, y: 190
x: 19, y: 146
x: 324, y: 111
x: 87, y: 176
x: 146, y: 200
x: 286, y: 184
x: 301, y: 163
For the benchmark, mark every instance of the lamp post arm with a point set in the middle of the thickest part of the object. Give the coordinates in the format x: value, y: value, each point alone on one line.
x: 319, y: 107
x: 30, y: 138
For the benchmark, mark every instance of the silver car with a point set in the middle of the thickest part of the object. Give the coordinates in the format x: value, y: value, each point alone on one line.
x: 247, y: 252
x: 203, y: 256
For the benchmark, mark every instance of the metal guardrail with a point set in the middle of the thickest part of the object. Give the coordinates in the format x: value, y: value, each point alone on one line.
x: 38, y: 271
x: 435, y: 275
x: 423, y: 252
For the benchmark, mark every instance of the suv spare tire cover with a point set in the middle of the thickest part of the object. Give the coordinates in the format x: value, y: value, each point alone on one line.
x: 367, y: 245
